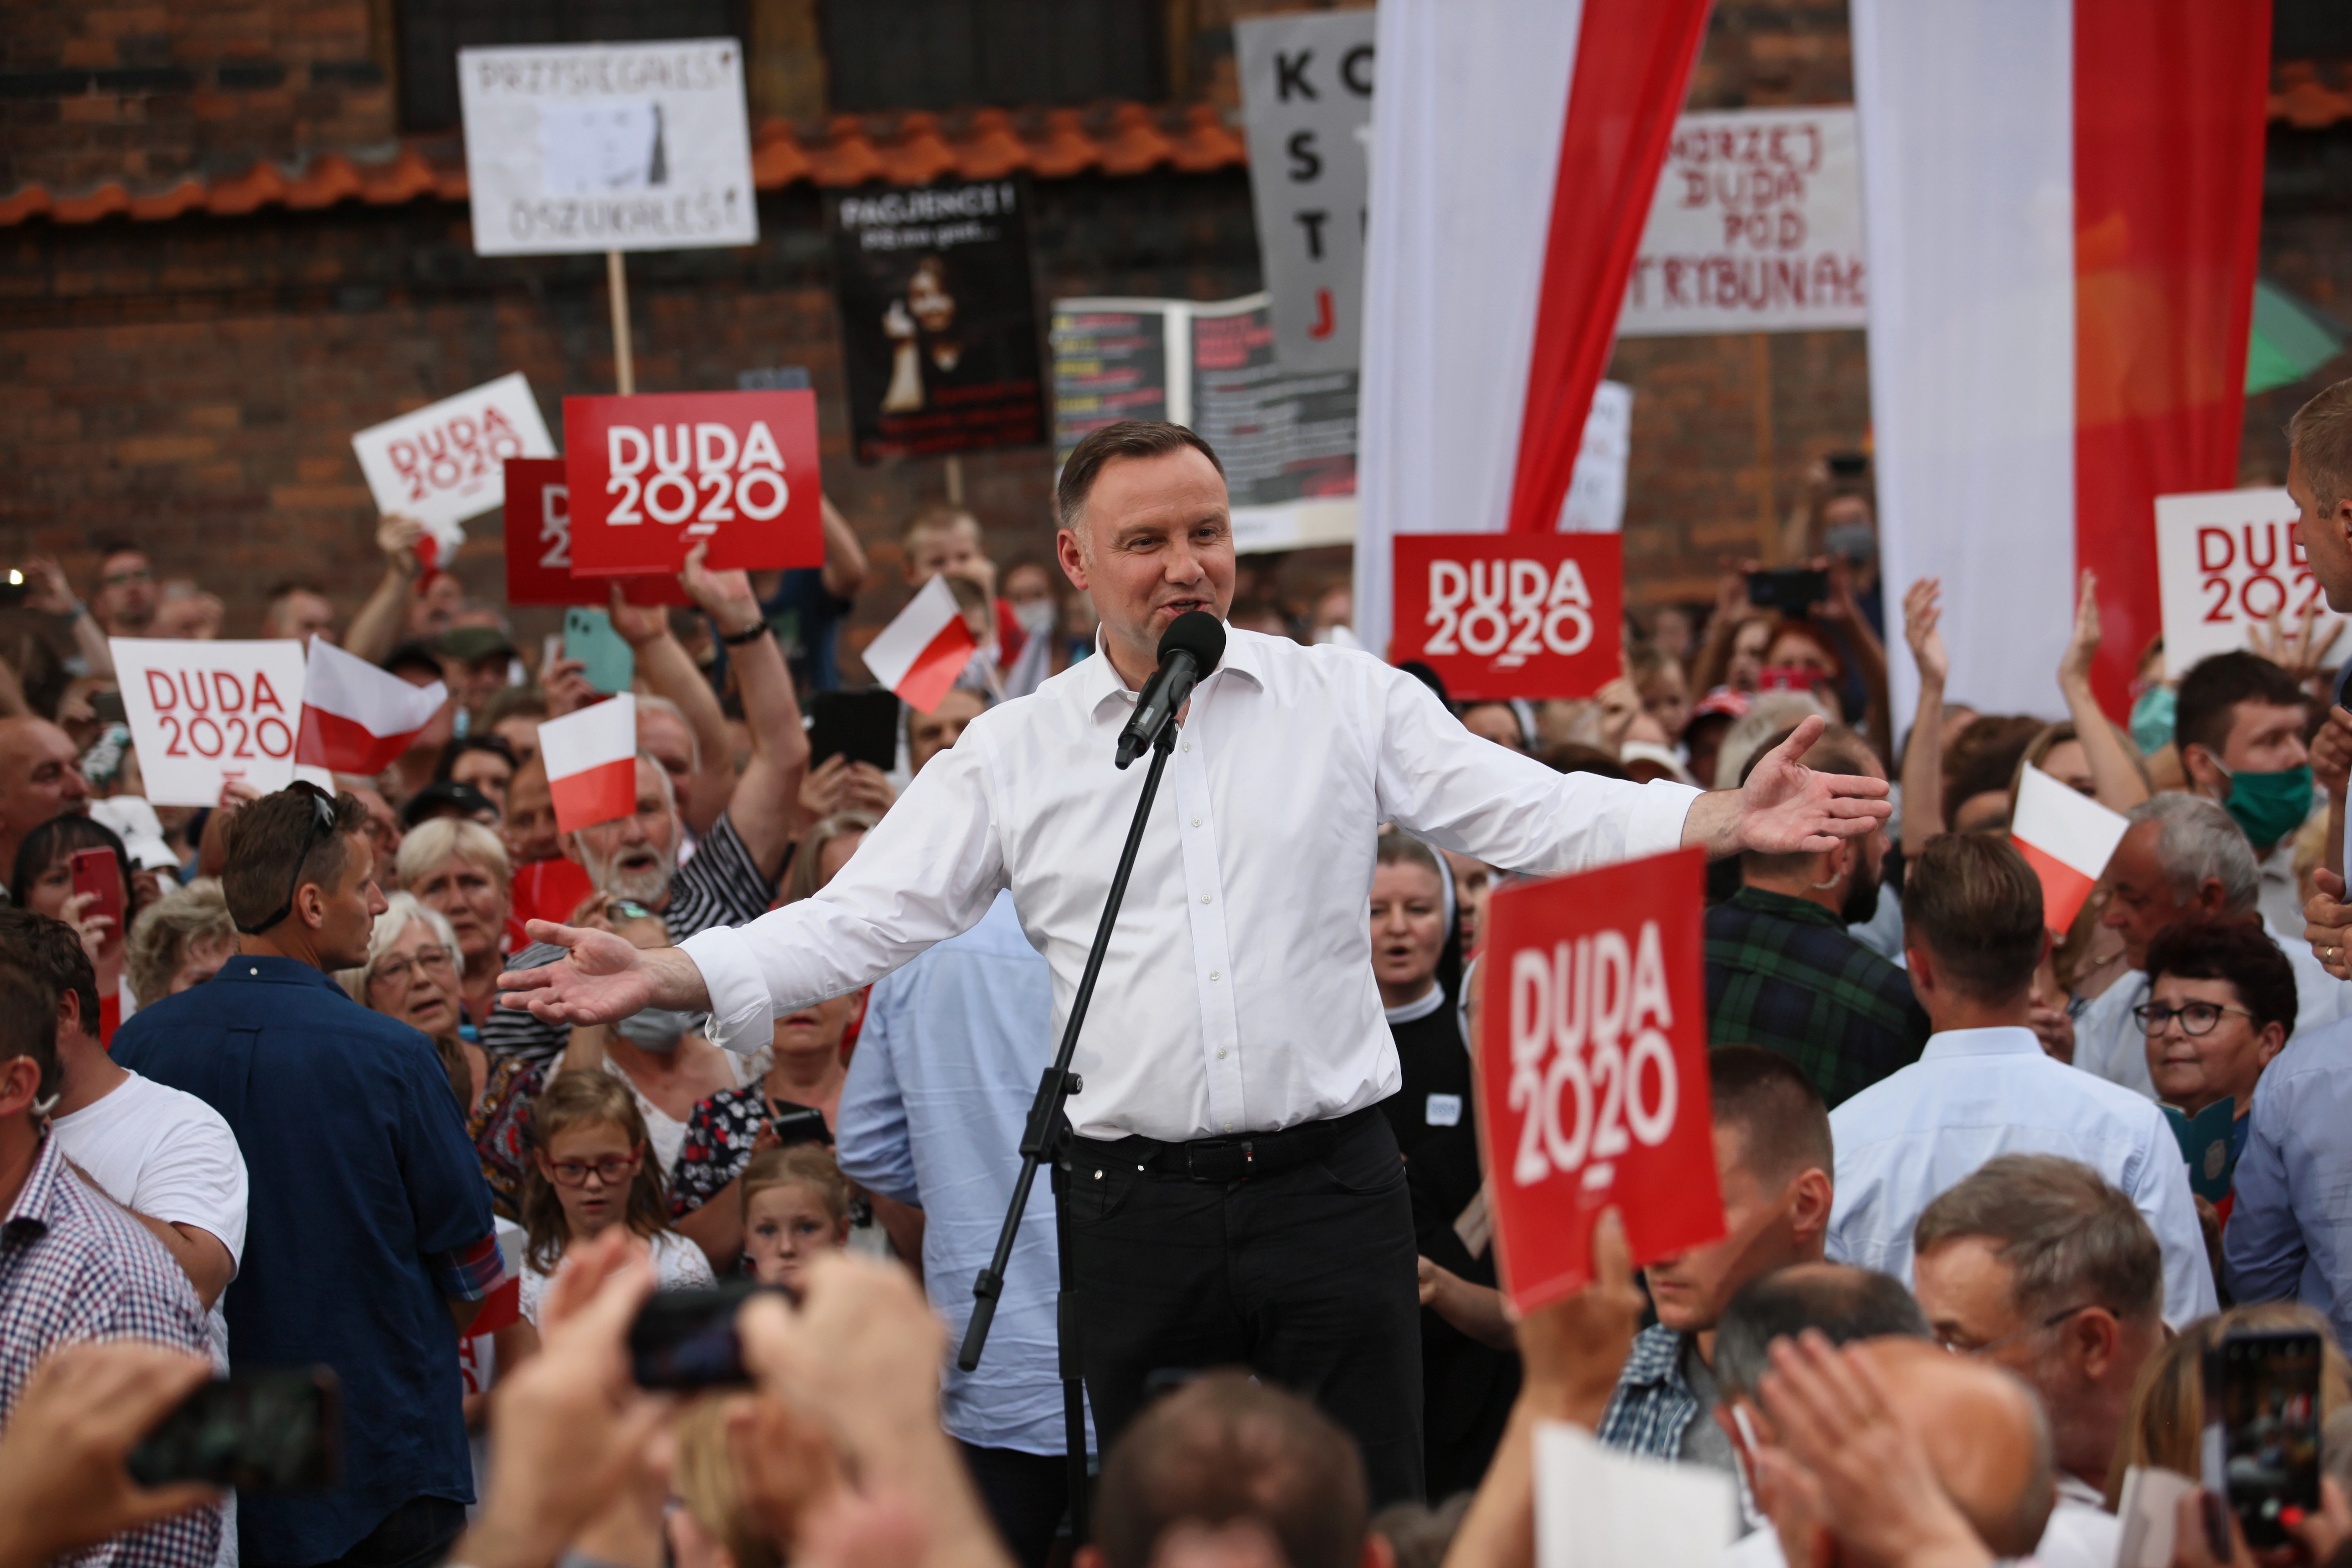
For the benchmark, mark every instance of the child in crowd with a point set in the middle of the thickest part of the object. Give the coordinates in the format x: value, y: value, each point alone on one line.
x: 590, y: 1170
x: 795, y: 1205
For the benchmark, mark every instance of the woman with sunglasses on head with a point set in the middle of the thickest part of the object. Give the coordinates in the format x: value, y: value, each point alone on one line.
x: 590, y: 1170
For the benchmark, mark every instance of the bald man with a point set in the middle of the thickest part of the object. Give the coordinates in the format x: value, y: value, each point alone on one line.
x: 1985, y: 1439
x: 40, y: 777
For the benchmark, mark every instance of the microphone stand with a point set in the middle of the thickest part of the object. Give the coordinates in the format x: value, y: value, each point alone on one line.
x: 1043, y: 1136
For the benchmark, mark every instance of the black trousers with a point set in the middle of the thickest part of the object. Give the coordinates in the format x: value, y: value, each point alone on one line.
x: 1026, y: 1494
x: 1305, y: 1278
x: 417, y: 1534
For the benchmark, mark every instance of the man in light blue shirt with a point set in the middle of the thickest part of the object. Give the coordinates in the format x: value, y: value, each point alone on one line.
x: 2290, y: 1231
x: 1973, y: 937
x: 938, y: 1092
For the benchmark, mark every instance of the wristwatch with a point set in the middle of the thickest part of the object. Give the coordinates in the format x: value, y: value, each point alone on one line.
x: 737, y: 640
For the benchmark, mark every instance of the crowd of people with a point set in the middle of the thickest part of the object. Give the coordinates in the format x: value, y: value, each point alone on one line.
x: 1989, y: 1190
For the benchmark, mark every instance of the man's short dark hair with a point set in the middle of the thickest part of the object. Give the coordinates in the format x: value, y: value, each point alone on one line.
x: 2203, y: 712
x: 2236, y: 950
x: 2070, y: 1239
x: 269, y: 838
x: 1126, y: 439
x: 1844, y: 1303
x: 28, y: 1025
x: 115, y: 544
x: 1974, y: 904
x: 288, y: 587
x: 1779, y: 1113
x: 1224, y: 1449
x: 50, y: 949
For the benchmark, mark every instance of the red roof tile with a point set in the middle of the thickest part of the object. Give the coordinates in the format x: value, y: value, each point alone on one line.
x: 914, y: 148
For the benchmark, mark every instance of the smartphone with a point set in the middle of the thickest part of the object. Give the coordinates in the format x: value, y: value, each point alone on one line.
x: 106, y: 707
x: 14, y: 587
x: 686, y: 1338
x: 800, y: 1124
x: 2261, y: 1427
x: 1792, y: 589
x: 1848, y: 465
x: 278, y: 1429
x: 608, y: 663
x: 100, y: 871
x: 860, y: 725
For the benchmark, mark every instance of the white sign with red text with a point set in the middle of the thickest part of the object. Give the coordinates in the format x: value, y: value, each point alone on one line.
x: 2226, y: 562
x: 205, y: 713
x: 445, y: 462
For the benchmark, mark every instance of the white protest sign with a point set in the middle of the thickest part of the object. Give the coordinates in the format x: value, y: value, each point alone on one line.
x: 586, y: 147
x: 2226, y: 562
x: 1596, y: 490
x: 1307, y: 103
x: 203, y: 713
x: 1755, y: 227
x: 447, y: 461
x: 1597, y: 1507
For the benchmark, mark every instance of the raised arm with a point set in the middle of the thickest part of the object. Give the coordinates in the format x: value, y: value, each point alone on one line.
x: 51, y: 594
x: 845, y: 558
x: 1869, y: 655
x: 1923, y: 754
x: 2120, y: 785
x: 376, y: 631
x: 1731, y: 607
x: 762, y: 806
x: 669, y: 671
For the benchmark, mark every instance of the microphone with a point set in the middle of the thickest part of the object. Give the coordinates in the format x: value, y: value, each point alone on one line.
x: 1190, y: 648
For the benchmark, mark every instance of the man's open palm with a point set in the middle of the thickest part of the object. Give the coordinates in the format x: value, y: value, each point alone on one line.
x: 603, y: 979
x: 1786, y: 808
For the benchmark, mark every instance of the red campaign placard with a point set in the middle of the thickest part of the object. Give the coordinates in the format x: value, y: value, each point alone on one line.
x: 1592, y: 1082
x: 539, y: 545
x: 1502, y: 615
x: 653, y: 475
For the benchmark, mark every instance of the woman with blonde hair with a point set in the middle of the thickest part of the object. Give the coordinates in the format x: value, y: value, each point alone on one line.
x: 824, y: 849
x: 460, y: 869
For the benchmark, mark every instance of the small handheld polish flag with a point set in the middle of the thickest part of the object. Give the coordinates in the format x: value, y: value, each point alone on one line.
x: 356, y: 718
x: 920, y: 654
x: 2067, y: 838
x: 591, y: 762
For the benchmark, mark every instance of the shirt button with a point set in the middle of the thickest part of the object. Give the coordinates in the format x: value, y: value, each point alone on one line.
x: 1213, y: 974
x: 1204, y: 898
x: 1188, y: 745
x: 1196, y: 822
x: 1229, y: 1127
x: 1221, y: 1053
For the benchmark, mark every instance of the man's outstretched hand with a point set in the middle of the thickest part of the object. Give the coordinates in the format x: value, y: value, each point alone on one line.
x: 602, y: 980
x: 1786, y: 808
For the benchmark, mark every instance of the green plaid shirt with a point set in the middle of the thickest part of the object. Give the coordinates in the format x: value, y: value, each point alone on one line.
x: 1781, y: 972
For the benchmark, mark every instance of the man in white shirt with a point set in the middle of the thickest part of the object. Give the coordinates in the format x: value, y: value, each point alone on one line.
x: 1973, y: 937
x: 165, y: 1156
x: 1238, y: 1195
x: 2182, y: 860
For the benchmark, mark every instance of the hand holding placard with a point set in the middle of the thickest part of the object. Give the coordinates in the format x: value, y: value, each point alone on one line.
x: 1592, y: 1070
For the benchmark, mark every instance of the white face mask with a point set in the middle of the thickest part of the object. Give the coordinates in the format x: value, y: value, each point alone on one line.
x: 1036, y: 616
x: 657, y: 1029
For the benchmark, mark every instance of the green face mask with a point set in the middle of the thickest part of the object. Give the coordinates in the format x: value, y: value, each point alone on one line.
x: 2151, y: 718
x: 2269, y: 806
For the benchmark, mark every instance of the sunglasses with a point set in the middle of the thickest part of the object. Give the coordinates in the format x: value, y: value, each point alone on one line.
x: 321, y: 830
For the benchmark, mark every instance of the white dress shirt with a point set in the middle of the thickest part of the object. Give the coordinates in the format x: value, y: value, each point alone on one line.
x: 2108, y: 1040
x: 1976, y: 1093
x: 1237, y: 993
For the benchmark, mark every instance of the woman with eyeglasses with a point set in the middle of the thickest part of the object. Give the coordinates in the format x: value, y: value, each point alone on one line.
x: 2222, y: 1002
x: 412, y: 974
x: 459, y: 868
x: 590, y: 1170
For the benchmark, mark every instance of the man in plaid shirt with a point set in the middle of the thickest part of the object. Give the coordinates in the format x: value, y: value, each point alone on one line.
x: 75, y: 1266
x: 1781, y: 971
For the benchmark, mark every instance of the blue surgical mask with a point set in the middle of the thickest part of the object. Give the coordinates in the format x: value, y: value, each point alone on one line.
x: 657, y: 1029
x: 2151, y: 718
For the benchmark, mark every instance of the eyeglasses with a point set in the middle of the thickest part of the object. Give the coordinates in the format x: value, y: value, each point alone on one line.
x: 2051, y: 1322
x: 2197, y: 1018
x: 321, y: 830
x: 400, y: 970
x: 611, y: 1171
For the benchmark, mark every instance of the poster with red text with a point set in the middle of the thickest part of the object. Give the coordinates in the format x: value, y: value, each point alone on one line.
x: 203, y: 713
x: 1592, y: 1073
x: 2227, y: 562
x: 539, y: 545
x: 654, y: 475
x: 1500, y: 615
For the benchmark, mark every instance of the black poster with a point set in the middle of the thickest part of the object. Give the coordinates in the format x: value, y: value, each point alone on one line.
x: 939, y: 324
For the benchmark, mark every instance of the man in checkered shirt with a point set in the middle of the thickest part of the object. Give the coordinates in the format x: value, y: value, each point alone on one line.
x: 75, y: 1266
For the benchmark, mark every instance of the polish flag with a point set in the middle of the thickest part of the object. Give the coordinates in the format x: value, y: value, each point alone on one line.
x: 1514, y: 157
x: 2065, y: 199
x: 591, y: 762
x: 356, y: 718
x: 2067, y: 838
x: 920, y: 654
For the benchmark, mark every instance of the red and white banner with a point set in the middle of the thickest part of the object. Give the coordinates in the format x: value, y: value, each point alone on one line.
x: 1516, y: 154
x: 591, y: 762
x: 2064, y: 201
x: 2067, y: 837
x: 653, y: 475
x: 1501, y: 615
x: 1592, y: 1082
x: 203, y: 713
x: 445, y: 462
x: 925, y: 646
x: 539, y: 545
x: 357, y: 718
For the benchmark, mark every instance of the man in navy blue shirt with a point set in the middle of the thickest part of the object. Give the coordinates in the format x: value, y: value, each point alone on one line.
x: 370, y: 1243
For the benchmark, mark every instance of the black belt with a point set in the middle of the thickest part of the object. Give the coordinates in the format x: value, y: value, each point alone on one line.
x: 1221, y: 1158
